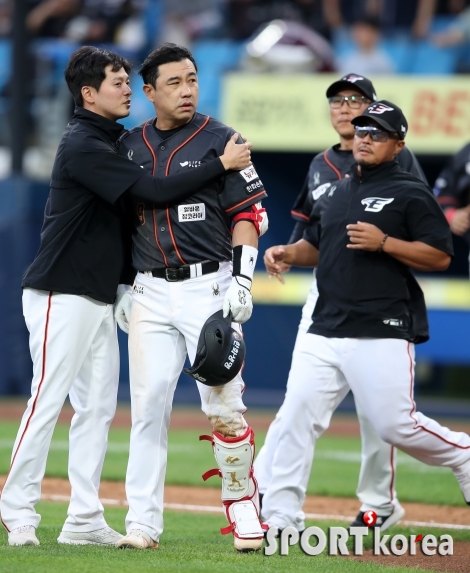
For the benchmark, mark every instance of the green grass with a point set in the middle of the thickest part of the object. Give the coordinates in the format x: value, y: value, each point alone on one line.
x: 335, y: 469
x: 190, y: 543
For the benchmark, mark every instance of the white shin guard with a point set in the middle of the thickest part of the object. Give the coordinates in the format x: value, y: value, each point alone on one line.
x: 240, y: 496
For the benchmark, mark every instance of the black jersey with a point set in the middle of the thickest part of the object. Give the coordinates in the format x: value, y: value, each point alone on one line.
x: 328, y: 167
x: 452, y: 187
x: 371, y: 294
x: 198, y: 228
x: 83, y: 248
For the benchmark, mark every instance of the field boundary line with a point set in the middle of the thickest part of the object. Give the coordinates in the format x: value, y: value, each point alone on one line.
x: 216, y: 509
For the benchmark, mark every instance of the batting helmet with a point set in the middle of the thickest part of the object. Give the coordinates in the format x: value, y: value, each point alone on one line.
x: 220, y: 352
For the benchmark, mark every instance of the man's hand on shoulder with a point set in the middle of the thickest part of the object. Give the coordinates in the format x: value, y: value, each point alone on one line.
x: 236, y: 156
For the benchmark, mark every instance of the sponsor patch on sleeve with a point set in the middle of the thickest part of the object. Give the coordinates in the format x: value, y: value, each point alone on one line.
x: 194, y: 212
x: 249, y: 174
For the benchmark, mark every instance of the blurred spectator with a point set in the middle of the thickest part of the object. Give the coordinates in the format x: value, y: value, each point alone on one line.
x: 367, y: 58
x: 244, y: 17
x: 108, y: 21
x: 6, y: 8
x: 187, y: 20
x: 49, y: 18
x: 405, y: 14
x: 457, y: 33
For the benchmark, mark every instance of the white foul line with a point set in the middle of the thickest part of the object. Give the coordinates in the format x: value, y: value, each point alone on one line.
x: 216, y: 509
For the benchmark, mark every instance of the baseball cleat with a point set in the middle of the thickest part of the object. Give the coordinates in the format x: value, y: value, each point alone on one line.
x: 24, y: 535
x: 137, y: 539
x: 383, y: 521
x: 104, y: 536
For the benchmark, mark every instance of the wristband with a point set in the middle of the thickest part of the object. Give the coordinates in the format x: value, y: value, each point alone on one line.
x: 382, y: 243
x: 244, y: 261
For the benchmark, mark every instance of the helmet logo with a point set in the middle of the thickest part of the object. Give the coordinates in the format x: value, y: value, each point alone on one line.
x: 215, y: 289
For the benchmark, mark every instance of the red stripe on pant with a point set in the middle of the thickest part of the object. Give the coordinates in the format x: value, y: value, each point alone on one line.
x: 43, y: 373
x: 413, y: 409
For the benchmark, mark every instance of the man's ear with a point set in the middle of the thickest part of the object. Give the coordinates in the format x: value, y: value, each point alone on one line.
x: 88, y: 94
x: 400, y: 144
x: 149, y: 92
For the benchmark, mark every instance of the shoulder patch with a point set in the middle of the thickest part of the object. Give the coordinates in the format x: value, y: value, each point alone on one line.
x: 318, y: 192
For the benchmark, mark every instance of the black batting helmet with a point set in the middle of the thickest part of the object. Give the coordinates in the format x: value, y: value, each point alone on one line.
x: 220, y: 352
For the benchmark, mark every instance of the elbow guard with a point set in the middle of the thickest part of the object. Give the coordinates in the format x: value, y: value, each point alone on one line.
x: 257, y: 215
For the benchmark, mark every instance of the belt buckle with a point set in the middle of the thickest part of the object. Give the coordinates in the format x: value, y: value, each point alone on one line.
x: 172, y: 275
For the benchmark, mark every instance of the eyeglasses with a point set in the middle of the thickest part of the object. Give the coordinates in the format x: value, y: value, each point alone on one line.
x: 353, y: 101
x: 375, y: 133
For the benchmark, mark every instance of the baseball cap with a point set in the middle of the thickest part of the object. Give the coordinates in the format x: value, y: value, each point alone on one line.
x: 387, y: 115
x: 353, y: 81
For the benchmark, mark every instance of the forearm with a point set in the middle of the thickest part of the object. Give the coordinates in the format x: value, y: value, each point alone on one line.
x: 301, y: 254
x: 244, y: 233
x: 416, y: 255
x: 175, y: 188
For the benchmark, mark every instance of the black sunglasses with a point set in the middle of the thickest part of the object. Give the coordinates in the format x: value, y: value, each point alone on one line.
x: 375, y: 133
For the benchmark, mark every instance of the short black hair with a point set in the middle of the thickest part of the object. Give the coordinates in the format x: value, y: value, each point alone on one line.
x: 163, y: 55
x: 87, y: 67
x: 371, y: 21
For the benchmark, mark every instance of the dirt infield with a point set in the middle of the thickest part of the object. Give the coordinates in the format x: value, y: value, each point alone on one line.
x: 113, y: 493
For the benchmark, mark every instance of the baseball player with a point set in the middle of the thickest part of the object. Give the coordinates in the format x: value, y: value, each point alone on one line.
x: 69, y: 294
x: 348, y: 98
x: 193, y: 259
x: 364, y: 236
x: 452, y: 189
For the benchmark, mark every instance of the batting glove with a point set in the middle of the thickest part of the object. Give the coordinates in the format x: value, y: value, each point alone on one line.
x: 122, y: 307
x: 238, y: 301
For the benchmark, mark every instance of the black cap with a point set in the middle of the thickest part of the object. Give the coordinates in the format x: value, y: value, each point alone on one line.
x: 353, y: 82
x: 387, y: 115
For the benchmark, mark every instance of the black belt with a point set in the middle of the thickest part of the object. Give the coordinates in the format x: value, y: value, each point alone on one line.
x: 175, y: 274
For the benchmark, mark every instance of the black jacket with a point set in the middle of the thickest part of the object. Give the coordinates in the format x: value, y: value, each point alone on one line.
x: 85, y: 248
x: 371, y: 294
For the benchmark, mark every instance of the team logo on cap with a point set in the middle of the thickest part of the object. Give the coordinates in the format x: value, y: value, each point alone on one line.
x: 352, y: 78
x: 375, y: 204
x: 379, y: 109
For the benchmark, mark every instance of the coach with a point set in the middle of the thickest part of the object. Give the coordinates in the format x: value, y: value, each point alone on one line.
x: 372, y: 229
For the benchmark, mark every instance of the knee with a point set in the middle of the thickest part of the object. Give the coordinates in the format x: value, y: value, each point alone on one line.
x: 392, y: 433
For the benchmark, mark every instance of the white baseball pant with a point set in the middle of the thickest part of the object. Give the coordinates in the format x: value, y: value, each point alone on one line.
x: 73, y: 344
x: 380, y: 373
x: 166, y: 321
x: 376, y: 486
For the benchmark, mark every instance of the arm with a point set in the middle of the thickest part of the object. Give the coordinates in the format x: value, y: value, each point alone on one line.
x: 174, y: 188
x: 424, y: 14
x: 414, y: 254
x: 238, y: 298
x: 300, y: 254
x: 95, y: 166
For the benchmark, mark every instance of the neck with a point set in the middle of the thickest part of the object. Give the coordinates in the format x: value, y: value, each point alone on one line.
x: 345, y: 144
x: 166, y: 124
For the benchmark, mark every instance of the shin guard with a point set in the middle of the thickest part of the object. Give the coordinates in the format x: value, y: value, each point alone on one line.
x: 240, y: 496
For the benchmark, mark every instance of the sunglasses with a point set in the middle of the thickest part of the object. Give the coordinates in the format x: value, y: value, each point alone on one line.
x: 375, y: 133
x: 353, y: 101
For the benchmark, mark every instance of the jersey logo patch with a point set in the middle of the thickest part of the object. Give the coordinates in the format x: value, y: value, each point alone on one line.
x: 249, y: 174
x: 138, y: 289
x: 255, y: 185
x: 130, y: 154
x: 318, y: 192
x: 393, y: 322
x: 316, y: 178
x: 375, y: 204
x: 215, y: 289
x: 194, y: 212
x: 191, y: 164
